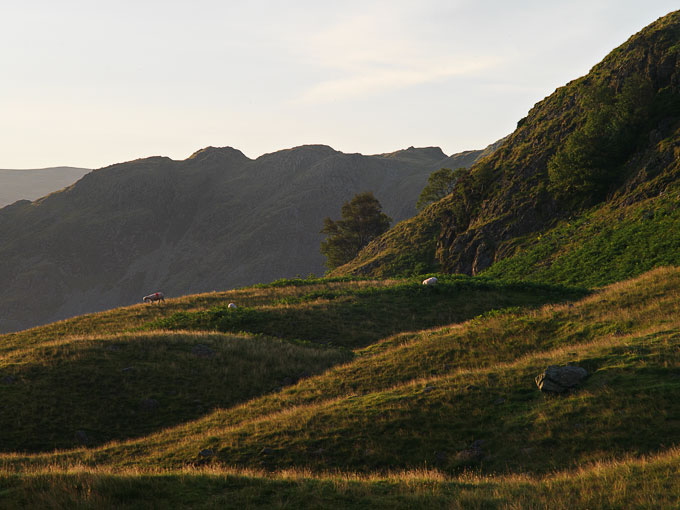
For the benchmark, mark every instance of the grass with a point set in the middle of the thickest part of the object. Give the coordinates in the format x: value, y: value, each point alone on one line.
x: 389, y: 423
x: 146, y: 382
x: 648, y: 482
x: 358, y: 316
x: 606, y: 244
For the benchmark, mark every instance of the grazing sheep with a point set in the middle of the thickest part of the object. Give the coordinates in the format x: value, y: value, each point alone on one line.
x: 156, y: 296
x: 430, y: 281
x: 232, y: 305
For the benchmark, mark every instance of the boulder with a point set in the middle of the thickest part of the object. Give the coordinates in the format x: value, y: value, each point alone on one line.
x: 430, y: 281
x: 560, y: 379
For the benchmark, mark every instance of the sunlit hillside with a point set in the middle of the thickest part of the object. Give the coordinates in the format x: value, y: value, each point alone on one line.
x: 428, y: 412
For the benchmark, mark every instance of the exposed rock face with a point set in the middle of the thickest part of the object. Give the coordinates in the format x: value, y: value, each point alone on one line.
x: 560, y: 379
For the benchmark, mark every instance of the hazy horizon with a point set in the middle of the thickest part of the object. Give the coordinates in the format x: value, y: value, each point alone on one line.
x: 90, y: 85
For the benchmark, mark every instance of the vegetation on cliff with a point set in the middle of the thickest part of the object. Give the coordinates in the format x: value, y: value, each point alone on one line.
x: 606, y: 140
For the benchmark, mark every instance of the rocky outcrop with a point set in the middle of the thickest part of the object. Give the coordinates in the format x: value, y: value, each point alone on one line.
x: 560, y: 379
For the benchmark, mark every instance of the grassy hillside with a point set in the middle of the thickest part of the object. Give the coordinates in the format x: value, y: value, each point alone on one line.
x: 56, y: 377
x: 426, y: 418
x: 604, y: 245
x: 641, y: 483
x: 354, y: 316
x: 595, y: 152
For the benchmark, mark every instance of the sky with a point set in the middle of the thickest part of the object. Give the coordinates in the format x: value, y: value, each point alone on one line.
x: 90, y: 83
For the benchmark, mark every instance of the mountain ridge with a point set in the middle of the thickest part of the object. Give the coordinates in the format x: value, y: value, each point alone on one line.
x: 215, y: 220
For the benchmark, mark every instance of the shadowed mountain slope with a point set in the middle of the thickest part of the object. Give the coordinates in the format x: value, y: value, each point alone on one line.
x: 610, y: 139
x: 213, y: 221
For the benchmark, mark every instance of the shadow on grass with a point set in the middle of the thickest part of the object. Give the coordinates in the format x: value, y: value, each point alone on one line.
x: 86, y: 392
x: 357, y: 317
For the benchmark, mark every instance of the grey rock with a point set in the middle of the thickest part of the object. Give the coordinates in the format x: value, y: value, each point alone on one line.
x: 483, y: 258
x: 266, y: 451
x: 9, y: 379
x: 208, y: 452
x: 560, y: 379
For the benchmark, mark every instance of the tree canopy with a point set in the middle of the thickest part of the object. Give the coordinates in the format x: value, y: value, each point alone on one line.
x: 362, y: 220
x: 589, y: 161
x: 439, y: 184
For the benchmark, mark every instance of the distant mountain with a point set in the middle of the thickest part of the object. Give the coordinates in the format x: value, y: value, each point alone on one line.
x: 31, y: 184
x: 214, y: 221
x: 585, y: 191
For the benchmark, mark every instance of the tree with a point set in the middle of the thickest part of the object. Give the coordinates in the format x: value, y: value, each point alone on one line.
x: 440, y: 183
x: 589, y: 162
x: 362, y: 221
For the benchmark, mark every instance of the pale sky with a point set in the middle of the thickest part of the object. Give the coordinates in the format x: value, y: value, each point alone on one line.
x: 90, y: 83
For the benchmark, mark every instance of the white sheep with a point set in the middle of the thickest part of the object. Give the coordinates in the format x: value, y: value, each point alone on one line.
x: 232, y: 305
x: 431, y: 281
x: 156, y: 296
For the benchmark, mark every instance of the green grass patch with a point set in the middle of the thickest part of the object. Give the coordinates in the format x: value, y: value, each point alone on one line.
x: 605, y: 245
